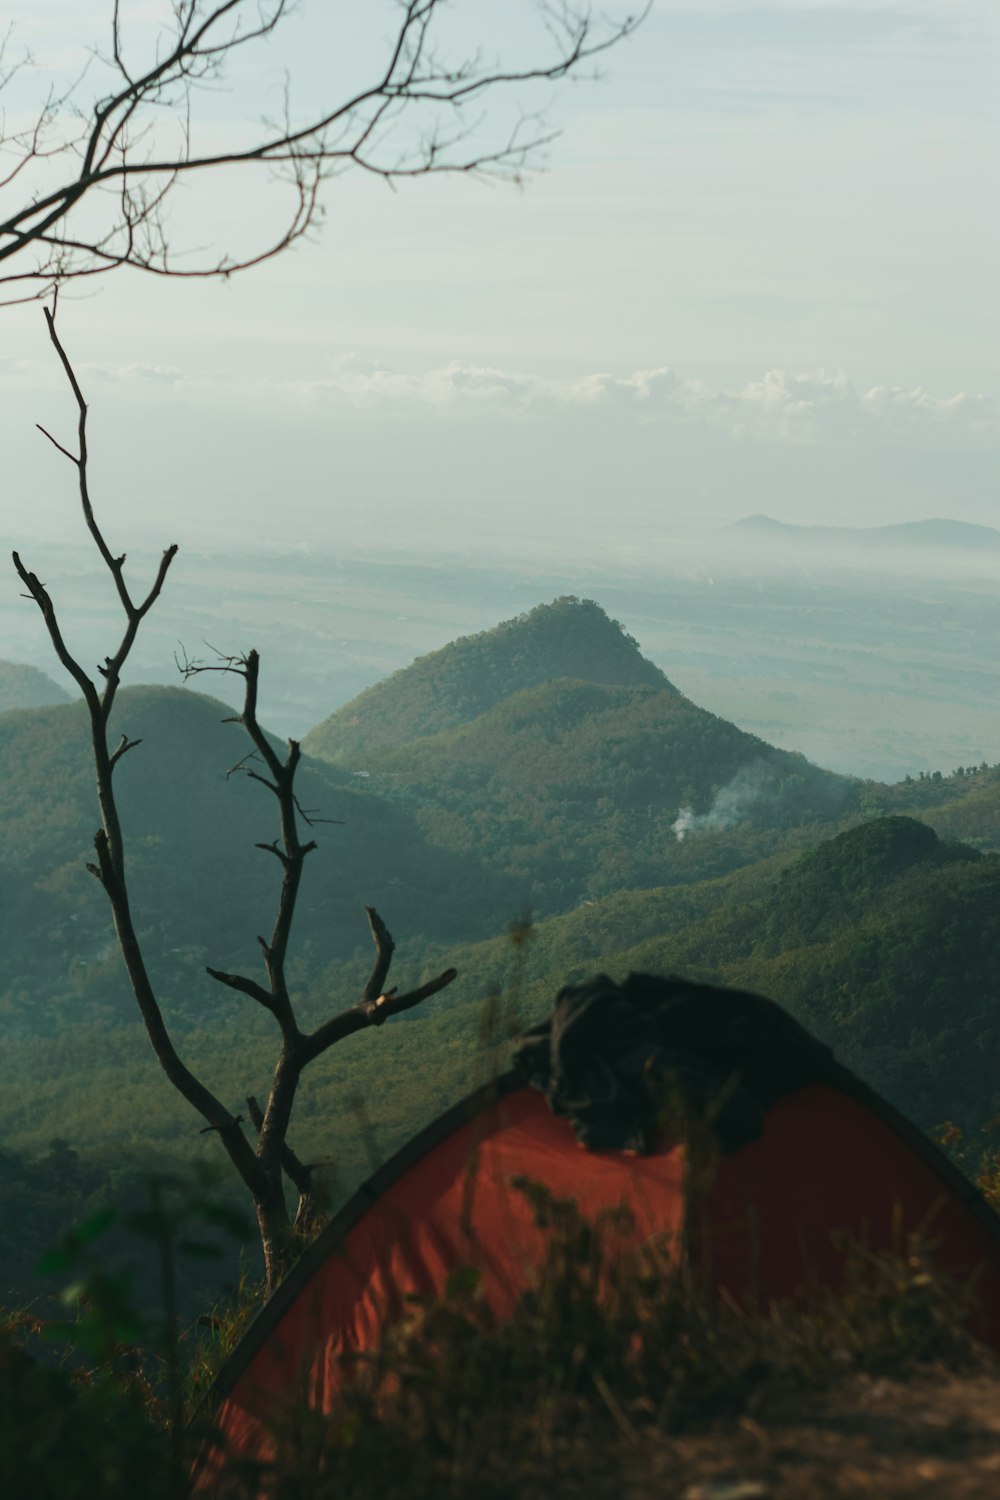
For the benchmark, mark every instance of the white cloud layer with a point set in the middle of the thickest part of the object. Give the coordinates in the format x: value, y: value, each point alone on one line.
x: 781, y: 407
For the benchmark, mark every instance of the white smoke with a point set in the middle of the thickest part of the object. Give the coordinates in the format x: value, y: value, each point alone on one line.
x: 753, y: 786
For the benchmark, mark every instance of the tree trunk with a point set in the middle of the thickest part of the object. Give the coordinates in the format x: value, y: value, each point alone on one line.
x: 276, y: 1238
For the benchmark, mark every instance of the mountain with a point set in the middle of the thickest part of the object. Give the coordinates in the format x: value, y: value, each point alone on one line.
x: 899, y: 974
x: 884, y: 941
x: 201, y: 891
x: 571, y: 764
x: 26, y: 687
x: 570, y: 638
x: 936, y: 533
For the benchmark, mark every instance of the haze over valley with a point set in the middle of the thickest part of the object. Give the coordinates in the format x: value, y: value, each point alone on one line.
x: 533, y: 518
x: 869, y: 655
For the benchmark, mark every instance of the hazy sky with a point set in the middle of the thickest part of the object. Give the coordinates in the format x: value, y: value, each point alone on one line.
x: 758, y: 273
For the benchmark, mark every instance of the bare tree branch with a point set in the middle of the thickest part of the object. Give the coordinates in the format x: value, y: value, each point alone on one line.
x: 375, y: 1005
x: 296, y: 1171
x: 384, y: 949
x: 371, y: 1013
x: 113, y: 150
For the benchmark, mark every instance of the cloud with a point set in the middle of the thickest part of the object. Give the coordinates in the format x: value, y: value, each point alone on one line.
x: 131, y: 373
x: 780, y: 408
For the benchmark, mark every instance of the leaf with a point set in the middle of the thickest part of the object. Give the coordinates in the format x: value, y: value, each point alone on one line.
x: 92, y: 1228
x: 67, y: 1253
x: 55, y: 1261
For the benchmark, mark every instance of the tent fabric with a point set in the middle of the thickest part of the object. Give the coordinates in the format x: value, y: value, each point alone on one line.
x: 828, y: 1157
x: 611, y: 1055
x: 444, y: 1202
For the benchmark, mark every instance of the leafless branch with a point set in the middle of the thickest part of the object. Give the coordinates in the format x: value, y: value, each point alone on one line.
x: 108, y: 844
x: 116, y: 150
x: 384, y: 949
x: 297, y: 1171
x: 372, y: 1013
x: 260, y: 1167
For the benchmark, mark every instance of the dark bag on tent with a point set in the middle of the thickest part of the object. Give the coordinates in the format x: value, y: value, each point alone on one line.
x: 615, y: 1059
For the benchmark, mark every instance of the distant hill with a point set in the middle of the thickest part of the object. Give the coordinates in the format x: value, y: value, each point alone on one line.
x: 201, y: 891
x: 569, y: 638
x: 576, y: 784
x: 26, y: 687
x: 884, y: 940
x: 953, y: 535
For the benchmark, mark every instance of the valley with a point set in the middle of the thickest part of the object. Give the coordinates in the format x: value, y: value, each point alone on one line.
x: 527, y: 804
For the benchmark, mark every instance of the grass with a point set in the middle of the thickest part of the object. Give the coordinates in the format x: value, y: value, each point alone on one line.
x: 610, y: 1351
x: 607, y: 1347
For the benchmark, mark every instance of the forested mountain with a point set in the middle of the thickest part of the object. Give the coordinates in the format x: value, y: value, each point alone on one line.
x: 201, y: 891
x: 884, y: 940
x: 569, y: 638
x: 973, y: 816
x: 554, y: 792
x: 25, y: 687
x: 667, y: 838
x: 588, y: 780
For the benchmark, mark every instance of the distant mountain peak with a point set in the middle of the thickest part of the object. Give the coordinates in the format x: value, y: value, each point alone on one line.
x: 935, y: 531
x: 568, y: 638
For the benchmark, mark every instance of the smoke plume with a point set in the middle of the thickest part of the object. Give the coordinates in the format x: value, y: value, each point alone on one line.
x: 753, y: 787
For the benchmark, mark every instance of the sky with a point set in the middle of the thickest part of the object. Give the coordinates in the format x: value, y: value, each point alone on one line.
x: 756, y: 272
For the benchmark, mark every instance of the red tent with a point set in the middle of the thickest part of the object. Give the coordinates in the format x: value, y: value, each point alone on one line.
x: 831, y: 1156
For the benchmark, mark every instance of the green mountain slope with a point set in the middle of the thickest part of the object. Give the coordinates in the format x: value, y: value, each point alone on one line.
x: 903, y: 983
x: 568, y: 638
x: 974, y: 817
x: 201, y: 890
x: 26, y: 687
x: 581, y: 783
x: 885, y: 941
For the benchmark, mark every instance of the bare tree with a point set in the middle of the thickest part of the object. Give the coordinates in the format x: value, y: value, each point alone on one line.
x: 260, y: 1164
x: 125, y: 150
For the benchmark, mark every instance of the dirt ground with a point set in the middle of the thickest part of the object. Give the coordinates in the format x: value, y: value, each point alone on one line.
x: 902, y: 1440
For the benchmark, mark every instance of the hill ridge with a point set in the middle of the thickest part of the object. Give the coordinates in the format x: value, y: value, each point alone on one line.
x: 570, y: 638
x: 933, y: 531
x: 22, y: 686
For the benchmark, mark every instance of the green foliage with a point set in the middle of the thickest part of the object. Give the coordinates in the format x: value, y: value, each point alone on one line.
x: 201, y: 891
x: 550, y: 767
x: 899, y: 975
x: 569, y: 638
x: 840, y: 881
x: 552, y: 751
x: 64, y: 1438
x: 108, y: 1422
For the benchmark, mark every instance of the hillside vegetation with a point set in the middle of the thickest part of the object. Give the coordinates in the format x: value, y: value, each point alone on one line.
x: 644, y: 832
x: 586, y: 779
x: 201, y: 890
x: 562, y: 791
x: 569, y: 638
x: 899, y: 973
x: 25, y: 687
